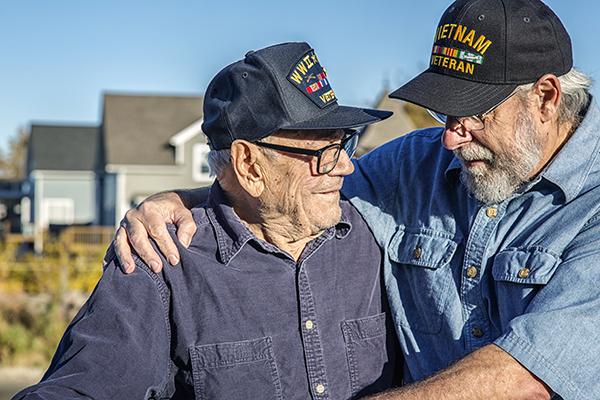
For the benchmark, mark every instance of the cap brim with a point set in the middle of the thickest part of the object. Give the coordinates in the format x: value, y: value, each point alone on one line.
x: 452, y: 96
x: 342, y: 117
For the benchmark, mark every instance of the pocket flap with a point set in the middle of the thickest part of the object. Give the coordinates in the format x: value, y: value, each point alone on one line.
x: 423, y: 248
x: 231, y: 353
x: 364, y: 328
x: 532, y: 266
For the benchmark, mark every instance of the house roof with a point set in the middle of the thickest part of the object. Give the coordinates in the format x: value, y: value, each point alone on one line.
x: 63, y: 147
x: 137, y: 128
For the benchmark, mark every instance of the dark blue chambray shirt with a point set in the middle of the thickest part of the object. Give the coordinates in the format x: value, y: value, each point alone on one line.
x: 237, y: 319
x: 523, y: 274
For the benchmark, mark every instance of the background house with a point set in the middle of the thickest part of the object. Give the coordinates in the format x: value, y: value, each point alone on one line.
x: 87, y: 175
x: 150, y: 144
x: 62, y: 179
x: 407, y: 117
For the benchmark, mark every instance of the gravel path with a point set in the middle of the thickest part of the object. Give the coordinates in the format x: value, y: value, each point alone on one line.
x: 14, y: 379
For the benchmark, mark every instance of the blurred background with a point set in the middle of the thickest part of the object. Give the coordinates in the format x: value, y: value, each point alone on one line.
x: 100, y: 106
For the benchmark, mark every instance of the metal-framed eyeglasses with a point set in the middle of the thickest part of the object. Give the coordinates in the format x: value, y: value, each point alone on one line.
x: 471, y: 122
x: 328, y: 156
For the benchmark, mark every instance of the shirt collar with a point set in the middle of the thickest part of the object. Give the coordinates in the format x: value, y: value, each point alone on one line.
x: 232, y: 234
x: 453, y: 168
x: 571, y: 166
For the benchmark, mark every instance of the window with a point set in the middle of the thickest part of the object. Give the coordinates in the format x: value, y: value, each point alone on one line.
x: 200, y: 172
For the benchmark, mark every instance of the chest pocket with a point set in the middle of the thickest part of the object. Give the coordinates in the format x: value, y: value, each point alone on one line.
x: 236, y: 370
x: 519, y: 274
x: 534, y: 266
x: 365, y: 340
x: 420, y: 263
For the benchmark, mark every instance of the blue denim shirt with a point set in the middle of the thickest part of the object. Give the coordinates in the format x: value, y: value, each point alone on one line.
x: 237, y: 319
x: 523, y: 274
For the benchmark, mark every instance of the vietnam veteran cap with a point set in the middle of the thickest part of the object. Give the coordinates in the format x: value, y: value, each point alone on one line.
x: 279, y: 87
x: 484, y: 49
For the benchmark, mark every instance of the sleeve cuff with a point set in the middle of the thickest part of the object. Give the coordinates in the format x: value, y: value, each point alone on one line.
x: 536, y: 363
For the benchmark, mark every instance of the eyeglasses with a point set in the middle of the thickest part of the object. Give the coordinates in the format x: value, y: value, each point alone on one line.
x: 328, y: 156
x: 472, y: 122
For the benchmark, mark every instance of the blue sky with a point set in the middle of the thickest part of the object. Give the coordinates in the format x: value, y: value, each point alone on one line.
x: 59, y: 56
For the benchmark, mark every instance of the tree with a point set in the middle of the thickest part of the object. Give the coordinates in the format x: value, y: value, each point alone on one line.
x: 12, y: 161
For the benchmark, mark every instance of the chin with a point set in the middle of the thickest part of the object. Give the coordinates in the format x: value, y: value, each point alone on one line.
x: 331, y: 217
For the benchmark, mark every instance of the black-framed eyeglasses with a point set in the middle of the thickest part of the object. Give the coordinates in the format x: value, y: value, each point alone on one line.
x: 471, y: 122
x: 328, y: 156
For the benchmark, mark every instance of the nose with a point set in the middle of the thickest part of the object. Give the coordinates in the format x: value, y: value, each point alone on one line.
x: 455, y: 135
x: 344, y: 165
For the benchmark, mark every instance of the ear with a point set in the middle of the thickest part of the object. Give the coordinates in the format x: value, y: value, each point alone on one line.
x: 245, y: 160
x: 549, y: 93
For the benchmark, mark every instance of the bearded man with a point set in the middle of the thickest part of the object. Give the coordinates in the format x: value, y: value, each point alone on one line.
x: 491, y: 240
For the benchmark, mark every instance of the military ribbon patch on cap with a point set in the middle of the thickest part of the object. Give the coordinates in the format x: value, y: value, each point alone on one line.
x: 311, y: 79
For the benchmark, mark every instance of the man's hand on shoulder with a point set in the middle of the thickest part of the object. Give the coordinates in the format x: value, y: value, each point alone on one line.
x: 148, y: 220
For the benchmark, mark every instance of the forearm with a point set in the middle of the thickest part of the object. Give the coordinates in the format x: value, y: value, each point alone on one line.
x: 488, y: 373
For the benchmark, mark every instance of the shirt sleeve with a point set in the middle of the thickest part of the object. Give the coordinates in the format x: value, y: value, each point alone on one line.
x: 557, y: 337
x: 373, y: 188
x: 117, y: 346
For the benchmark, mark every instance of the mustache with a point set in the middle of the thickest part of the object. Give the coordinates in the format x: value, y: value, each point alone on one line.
x: 474, y: 152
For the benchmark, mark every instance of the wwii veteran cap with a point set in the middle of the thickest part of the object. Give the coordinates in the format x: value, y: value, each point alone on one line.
x: 483, y: 50
x: 278, y: 87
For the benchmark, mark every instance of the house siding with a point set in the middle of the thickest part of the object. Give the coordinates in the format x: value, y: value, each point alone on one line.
x: 76, y: 187
x: 133, y: 183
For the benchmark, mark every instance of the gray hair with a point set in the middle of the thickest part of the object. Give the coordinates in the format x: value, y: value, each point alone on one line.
x: 218, y: 161
x: 575, y: 87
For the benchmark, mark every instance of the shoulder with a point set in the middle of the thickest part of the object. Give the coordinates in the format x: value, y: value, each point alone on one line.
x: 140, y: 279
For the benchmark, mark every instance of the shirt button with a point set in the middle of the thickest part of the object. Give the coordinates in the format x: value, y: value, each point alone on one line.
x: 523, y: 273
x: 309, y: 325
x: 477, y: 332
x: 320, y: 389
x: 491, y: 212
x: 417, y: 252
x: 472, y: 272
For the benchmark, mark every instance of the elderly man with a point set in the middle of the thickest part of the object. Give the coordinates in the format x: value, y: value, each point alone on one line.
x: 270, y: 300
x: 491, y: 240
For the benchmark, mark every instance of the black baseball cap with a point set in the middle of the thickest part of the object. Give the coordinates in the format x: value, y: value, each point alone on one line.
x: 483, y: 50
x: 279, y: 87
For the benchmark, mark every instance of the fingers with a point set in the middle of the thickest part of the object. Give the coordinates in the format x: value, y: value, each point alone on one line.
x: 147, y: 221
x: 158, y: 231
x: 186, y: 227
x: 138, y: 238
x: 123, y: 251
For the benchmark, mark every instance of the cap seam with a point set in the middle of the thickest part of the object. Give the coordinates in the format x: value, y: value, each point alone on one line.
x: 553, y: 26
x: 277, y: 85
x: 505, y: 41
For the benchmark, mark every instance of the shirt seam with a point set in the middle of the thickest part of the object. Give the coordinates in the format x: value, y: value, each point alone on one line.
x: 163, y: 291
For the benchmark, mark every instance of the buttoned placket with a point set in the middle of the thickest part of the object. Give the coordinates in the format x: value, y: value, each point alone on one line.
x: 476, y: 330
x: 309, y: 324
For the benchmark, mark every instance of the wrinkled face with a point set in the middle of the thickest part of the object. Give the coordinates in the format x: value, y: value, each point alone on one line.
x: 501, y: 157
x: 295, y: 189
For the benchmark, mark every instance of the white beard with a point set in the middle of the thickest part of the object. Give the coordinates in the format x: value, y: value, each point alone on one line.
x: 503, y: 173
